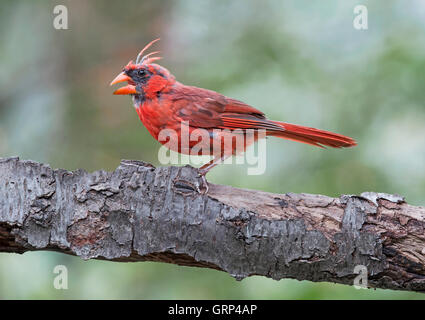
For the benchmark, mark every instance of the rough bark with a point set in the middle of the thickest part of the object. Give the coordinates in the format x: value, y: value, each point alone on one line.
x: 142, y: 213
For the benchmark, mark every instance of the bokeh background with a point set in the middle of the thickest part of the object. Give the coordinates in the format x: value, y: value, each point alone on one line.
x: 298, y: 61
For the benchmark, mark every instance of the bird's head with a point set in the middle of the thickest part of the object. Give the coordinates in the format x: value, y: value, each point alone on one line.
x: 143, y: 77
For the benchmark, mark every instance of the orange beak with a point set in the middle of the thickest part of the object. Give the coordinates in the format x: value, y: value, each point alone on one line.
x: 120, y: 78
x: 128, y: 89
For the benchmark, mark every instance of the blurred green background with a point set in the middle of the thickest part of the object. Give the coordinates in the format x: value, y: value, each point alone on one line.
x: 298, y: 61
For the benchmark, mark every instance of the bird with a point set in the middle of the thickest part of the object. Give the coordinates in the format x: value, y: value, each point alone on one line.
x: 163, y: 103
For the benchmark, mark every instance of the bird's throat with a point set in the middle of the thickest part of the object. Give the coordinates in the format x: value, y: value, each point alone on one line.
x: 138, y: 100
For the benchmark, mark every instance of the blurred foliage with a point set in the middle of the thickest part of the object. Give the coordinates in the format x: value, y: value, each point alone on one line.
x: 298, y: 61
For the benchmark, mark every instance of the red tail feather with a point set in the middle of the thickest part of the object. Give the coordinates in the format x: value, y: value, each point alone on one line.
x: 313, y: 136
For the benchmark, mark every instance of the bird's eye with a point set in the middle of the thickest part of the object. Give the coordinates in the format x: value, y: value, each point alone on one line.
x: 141, y: 72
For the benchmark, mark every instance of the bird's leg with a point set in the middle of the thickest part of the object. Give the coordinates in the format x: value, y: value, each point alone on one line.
x: 203, y: 170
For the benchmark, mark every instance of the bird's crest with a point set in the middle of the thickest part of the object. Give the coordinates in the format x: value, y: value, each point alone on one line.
x: 147, y: 59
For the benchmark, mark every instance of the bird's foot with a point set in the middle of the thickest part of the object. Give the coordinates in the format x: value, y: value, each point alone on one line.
x: 203, y: 186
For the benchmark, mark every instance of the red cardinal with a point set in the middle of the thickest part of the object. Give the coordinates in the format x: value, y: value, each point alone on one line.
x: 164, y: 103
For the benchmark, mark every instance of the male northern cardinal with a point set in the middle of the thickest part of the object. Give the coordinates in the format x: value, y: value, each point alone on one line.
x: 164, y: 103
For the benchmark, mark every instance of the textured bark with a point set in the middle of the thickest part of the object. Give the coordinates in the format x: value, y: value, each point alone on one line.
x: 142, y: 213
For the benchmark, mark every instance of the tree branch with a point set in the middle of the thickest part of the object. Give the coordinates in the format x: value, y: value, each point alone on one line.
x: 142, y: 213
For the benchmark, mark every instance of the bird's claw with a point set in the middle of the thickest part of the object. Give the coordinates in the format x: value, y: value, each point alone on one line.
x: 203, y: 186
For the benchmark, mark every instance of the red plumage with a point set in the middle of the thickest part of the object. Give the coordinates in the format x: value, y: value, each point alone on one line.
x: 164, y: 103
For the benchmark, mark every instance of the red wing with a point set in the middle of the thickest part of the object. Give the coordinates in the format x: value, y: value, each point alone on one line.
x: 208, y: 109
x: 236, y: 106
x: 247, y: 121
x: 198, y: 112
